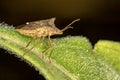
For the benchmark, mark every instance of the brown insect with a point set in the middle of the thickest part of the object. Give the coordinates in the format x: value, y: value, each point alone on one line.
x: 41, y: 29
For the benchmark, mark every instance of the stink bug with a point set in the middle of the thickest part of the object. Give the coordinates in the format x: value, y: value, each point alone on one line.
x: 41, y: 29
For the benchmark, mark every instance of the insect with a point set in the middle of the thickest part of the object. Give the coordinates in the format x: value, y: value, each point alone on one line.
x: 41, y: 29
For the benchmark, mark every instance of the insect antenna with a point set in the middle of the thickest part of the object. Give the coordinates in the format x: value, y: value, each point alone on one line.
x: 68, y: 26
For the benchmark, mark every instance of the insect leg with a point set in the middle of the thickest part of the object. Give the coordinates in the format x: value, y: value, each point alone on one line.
x: 42, y: 38
x: 51, y: 46
x: 29, y: 42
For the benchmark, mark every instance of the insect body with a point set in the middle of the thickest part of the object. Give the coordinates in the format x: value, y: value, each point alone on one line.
x: 41, y: 29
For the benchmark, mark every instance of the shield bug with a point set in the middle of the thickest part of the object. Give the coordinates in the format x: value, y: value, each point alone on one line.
x: 41, y: 29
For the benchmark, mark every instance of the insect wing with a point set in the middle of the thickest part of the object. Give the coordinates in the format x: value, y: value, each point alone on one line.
x: 37, y: 24
x: 30, y: 25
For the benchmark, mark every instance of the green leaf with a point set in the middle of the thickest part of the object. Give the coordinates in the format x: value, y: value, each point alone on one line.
x: 72, y: 57
x: 110, y: 52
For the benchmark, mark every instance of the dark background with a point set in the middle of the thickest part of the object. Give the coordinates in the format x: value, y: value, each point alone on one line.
x: 100, y: 19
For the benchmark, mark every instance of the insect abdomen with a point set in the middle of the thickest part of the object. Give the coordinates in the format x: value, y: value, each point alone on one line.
x: 27, y: 32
